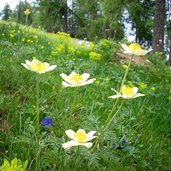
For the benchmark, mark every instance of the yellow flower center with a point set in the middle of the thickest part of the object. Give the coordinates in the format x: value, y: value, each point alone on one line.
x: 127, y: 91
x: 134, y: 46
x: 77, y: 78
x: 38, y: 66
x: 80, y: 135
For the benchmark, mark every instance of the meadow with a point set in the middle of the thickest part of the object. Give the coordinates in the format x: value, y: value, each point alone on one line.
x: 36, y: 109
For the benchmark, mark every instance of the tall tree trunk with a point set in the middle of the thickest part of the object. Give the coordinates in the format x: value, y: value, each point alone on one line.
x: 65, y: 23
x: 159, y: 22
x: 170, y: 49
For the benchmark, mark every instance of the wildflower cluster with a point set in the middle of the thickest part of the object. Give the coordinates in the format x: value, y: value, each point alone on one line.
x: 14, y: 165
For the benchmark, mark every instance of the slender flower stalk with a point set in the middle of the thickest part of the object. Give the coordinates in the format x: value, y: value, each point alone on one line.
x: 110, y: 114
x: 37, y: 108
x: 73, y: 105
x: 126, y: 71
x: 109, y: 122
x: 37, y: 118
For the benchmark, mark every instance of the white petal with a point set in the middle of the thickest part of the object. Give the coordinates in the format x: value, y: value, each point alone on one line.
x: 135, y: 90
x: 65, y: 84
x: 72, y: 74
x: 81, y: 130
x: 91, y: 133
x: 40, y: 72
x: 87, y: 82
x: 133, y: 96
x: 88, y: 144
x: 85, y: 76
x: 70, y: 133
x: 115, y: 96
x: 31, y: 62
x: 124, y: 47
x: 141, y: 52
x: 26, y: 66
x: 69, y: 144
x: 128, y: 52
x: 47, y: 65
x: 138, y: 95
x: 50, y: 68
x: 90, y: 136
x: 128, y: 97
x: 67, y: 78
x: 27, y: 62
x: 64, y: 76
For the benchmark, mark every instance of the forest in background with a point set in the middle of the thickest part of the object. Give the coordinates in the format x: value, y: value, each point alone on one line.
x: 149, y: 20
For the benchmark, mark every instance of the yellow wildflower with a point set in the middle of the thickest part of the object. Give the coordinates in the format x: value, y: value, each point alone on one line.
x: 95, y: 56
x: 27, y: 12
x: 142, y: 85
x: 153, y: 88
x: 125, y: 66
x: 15, y: 165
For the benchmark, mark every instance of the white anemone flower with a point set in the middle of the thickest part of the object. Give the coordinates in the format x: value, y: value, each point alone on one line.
x: 127, y: 93
x: 76, y: 80
x: 38, y: 66
x: 79, y: 138
x: 134, y: 49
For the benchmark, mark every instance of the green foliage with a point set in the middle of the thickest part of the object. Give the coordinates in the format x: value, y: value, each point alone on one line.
x: 140, y: 131
x: 141, y: 13
x: 6, y: 12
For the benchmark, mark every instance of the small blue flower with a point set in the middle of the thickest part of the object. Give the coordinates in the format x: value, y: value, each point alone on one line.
x: 123, y: 141
x: 122, y: 144
x: 46, y: 121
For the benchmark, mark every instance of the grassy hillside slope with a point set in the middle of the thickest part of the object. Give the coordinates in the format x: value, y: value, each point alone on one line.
x: 138, y: 137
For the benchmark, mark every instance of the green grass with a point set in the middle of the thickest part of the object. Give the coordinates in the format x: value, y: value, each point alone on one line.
x: 144, y: 123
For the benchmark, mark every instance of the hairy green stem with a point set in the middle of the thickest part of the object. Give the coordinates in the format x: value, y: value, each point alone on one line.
x: 73, y: 105
x: 126, y: 72
x: 110, y: 114
x: 37, y: 119
x: 114, y: 116
x: 37, y: 107
x: 26, y: 20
